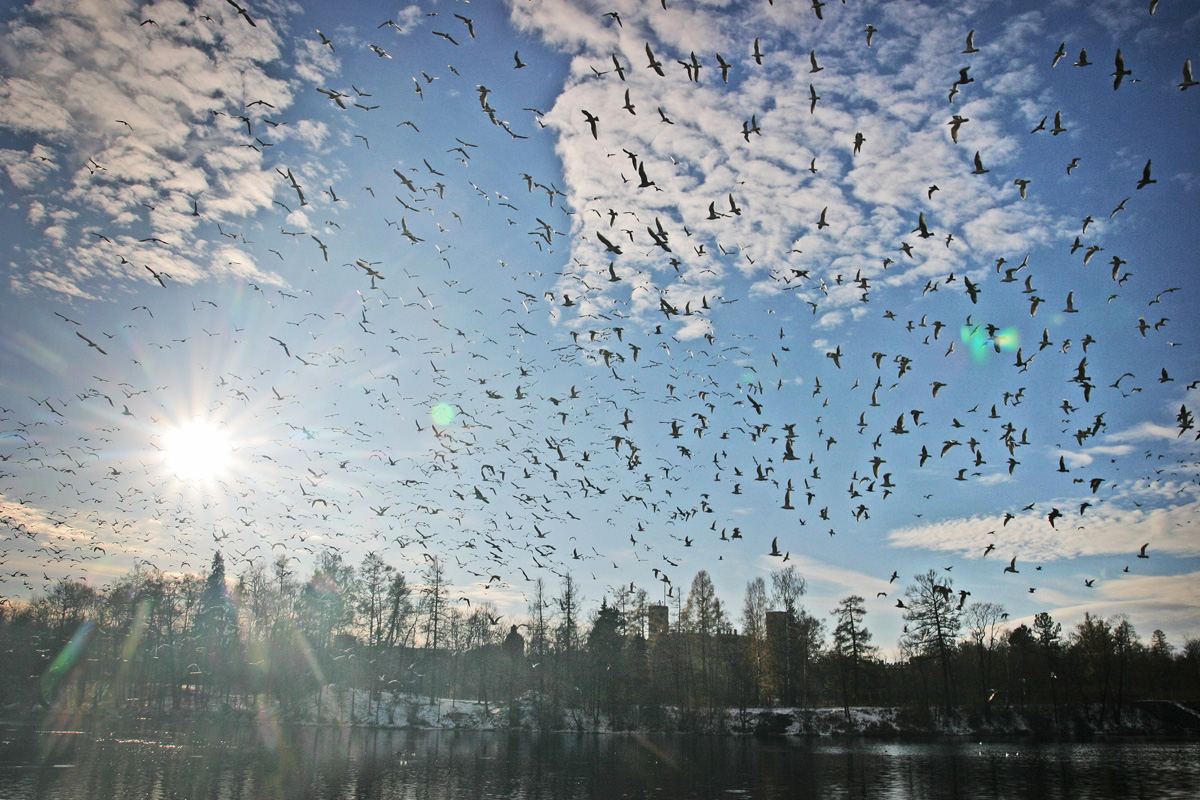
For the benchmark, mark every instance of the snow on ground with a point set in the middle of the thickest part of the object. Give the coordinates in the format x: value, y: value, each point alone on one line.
x: 341, y: 706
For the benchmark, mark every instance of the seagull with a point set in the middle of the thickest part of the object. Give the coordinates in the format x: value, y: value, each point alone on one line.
x: 955, y: 123
x: 1120, y: 72
x: 1187, y: 76
x: 1146, y: 179
x: 655, y: 64
x: 591, y: 121
x: 1058, y: 126
x: 617, y: 68
x: 157, y: 276
x: 609, y: 247
x: 90, y: 343
x: 242, y: 12
x: 971, y: 48
x: 724, y: 66
x: 923, y: 230
x: 469, y: 23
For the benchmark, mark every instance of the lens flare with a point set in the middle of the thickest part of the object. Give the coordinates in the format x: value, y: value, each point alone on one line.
x: 982, y: 341
x: 443, y: 414
x: 66, y: 659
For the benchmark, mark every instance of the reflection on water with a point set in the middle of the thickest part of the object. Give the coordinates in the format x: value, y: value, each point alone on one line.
x: 269, y: 762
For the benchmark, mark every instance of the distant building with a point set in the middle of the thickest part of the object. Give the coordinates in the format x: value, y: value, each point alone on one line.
x: 777, y: 628
x: 514, y: 643
x: 779, y: 656
x: 659, y: 621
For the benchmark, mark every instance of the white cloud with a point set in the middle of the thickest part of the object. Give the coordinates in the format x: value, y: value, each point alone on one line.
x: 709, y: 153
x: 1143, y: 431
x: 1151, y: 602
x: 154, y: 121
x: 1105, y: 527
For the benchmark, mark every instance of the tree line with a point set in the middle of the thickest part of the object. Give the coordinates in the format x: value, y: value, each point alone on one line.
x: 178, y: 643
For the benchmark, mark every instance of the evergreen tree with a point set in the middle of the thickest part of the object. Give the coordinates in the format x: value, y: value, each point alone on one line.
x: 851, y: 647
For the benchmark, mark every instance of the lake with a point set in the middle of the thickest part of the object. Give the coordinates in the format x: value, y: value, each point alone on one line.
x: 269, y: 761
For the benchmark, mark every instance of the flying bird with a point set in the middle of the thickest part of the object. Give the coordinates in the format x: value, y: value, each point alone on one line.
x: 1146, y: 180
x: 955, y: 123
x: 242, y: 13
x: 655, y: 64
x: 90, y: 343
x: 591, y: 121
x: 1187, y: 76
x: 1119, y: 72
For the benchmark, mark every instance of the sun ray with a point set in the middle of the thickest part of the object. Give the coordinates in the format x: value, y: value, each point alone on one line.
x: 198, y: 451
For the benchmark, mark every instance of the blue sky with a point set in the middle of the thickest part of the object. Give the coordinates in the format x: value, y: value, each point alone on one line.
x: 312, y: 250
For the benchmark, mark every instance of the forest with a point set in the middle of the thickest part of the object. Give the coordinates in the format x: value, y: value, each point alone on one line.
x: 158, y: 644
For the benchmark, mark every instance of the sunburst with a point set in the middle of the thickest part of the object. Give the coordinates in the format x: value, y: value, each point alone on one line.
x: 197, y: 451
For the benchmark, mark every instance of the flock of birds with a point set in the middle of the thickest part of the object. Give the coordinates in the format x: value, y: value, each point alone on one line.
x: 553, y: 422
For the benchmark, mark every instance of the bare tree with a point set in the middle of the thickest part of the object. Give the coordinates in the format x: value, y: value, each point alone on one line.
x: 788, y: 587
x: 433, y: 603
x: 754, y: 635
x: 399, y: 628
x: 703, y: 618
x: 934, y: 623
x: 375, y: 578
x: 983, y: 622
x: 567, y: 636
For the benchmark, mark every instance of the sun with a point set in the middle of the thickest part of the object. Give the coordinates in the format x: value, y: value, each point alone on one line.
x: 197, y: 451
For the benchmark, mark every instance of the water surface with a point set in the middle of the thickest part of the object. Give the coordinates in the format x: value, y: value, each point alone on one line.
x: 269, y: 761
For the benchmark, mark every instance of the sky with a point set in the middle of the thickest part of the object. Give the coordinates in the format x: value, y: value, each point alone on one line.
x: 863, y: 288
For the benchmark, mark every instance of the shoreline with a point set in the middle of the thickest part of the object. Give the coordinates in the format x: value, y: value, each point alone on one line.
x: 352, y: 709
